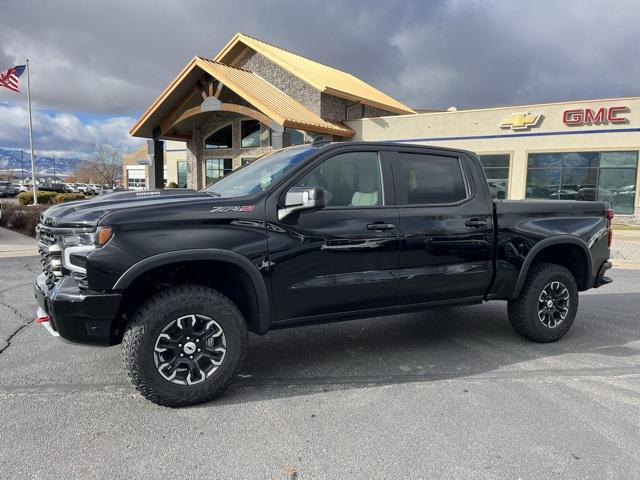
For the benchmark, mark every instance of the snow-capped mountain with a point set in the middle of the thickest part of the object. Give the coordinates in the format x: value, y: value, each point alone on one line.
x: 10, y: 160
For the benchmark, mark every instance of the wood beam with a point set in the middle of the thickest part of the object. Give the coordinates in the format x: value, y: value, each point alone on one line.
x: 177, y: 109
x: 203, y: 89
x: 229, y: 107
x: 218, y: 90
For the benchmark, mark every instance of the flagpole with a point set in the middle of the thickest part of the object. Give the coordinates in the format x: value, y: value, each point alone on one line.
x: 33, y: 159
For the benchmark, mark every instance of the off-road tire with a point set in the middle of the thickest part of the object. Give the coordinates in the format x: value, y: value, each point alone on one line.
x: 148, y: 322
x: 523, y: 311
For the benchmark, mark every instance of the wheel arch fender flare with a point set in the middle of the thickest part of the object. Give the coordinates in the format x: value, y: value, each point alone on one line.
x: 226, y: 256
x: 540, y: 247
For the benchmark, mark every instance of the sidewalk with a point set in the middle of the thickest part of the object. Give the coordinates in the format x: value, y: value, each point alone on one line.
x: 14, y: 244
x: 625, y: 250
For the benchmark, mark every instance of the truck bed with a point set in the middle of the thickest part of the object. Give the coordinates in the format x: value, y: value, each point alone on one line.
x: 523, y: 227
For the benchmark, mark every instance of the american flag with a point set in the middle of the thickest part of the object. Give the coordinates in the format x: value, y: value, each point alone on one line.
x: 9, y: 78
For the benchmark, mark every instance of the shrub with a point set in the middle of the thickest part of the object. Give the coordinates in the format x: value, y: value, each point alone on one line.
x: 44, y: 198
x: 21, y: 218
x: 172, y: 185
x: 68, y: 197
x: 5, y: 210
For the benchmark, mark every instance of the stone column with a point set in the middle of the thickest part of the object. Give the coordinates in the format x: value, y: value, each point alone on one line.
x: 194, y: 175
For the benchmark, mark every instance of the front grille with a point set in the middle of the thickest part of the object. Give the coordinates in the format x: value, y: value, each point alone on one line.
x: 50, y: 255
x: 81, y: 279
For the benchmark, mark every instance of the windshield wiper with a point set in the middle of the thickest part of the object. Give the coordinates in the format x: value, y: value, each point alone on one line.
x: 215, y: 194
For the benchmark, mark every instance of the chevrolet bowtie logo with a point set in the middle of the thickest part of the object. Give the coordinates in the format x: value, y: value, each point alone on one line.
x: 521, y: 121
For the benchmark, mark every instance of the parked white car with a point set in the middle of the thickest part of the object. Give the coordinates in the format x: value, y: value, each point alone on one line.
x: 84, y: 188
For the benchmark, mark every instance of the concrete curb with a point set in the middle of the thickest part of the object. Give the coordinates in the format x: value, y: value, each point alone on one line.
x: 625, y: 264
x: 19, y: 253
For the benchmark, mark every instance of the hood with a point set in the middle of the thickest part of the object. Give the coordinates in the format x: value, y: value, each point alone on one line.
x: 85, y: 213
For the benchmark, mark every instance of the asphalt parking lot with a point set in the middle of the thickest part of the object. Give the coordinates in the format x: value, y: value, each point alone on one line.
x: 452, y: 393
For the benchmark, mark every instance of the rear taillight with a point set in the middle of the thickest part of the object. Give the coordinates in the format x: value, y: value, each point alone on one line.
x: 609, y: 215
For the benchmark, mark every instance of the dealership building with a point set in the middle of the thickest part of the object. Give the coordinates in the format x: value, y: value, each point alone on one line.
x: 136, y: 166
x: 253, y: 97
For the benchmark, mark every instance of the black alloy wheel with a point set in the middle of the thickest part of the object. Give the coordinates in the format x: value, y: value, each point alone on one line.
x: 184, y: 345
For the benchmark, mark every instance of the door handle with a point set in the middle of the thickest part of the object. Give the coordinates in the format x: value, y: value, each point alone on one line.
x: 475, y: 223
x: 380, y: 226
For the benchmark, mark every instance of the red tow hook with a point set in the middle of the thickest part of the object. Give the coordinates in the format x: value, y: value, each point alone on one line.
x: 43, y: 319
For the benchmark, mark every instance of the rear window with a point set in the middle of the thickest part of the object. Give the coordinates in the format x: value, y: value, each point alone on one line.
x: 428, y: 179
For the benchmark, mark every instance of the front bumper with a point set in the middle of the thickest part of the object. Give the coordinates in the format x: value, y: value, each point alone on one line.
x: 79, y: 316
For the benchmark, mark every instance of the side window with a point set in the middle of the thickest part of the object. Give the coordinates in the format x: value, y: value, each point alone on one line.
x: 349, y: 180
x: 428, y: 179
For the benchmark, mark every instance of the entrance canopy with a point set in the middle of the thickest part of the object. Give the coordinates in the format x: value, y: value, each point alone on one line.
x: 254, y: 86
x: 207, y: 86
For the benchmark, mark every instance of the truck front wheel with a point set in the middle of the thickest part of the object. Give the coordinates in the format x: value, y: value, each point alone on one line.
x: 547, y: 304
x: 184, y: 345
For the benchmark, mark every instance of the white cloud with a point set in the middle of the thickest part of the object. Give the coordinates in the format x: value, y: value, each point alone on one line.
x: 63, y: 133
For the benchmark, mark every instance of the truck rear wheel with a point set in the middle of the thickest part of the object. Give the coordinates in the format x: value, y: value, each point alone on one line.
x: 547, y: 304
x: 184, y: 345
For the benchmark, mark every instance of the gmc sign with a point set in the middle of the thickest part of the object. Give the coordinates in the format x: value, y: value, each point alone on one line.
x: 587, y: 116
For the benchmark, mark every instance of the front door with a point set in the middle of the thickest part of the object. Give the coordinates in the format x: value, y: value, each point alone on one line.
x: 446, y: 227
x: 339, y: 258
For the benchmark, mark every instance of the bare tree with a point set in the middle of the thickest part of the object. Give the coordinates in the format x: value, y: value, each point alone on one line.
x: 85, y: 173
x: 105, y: 166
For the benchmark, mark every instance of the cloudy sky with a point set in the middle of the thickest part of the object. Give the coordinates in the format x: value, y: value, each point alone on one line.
x: 97, y: 64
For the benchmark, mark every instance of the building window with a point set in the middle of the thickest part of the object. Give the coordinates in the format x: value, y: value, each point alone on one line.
x: 215, y: 168
x: 136, y: 183
x: 247, y: 161
x: 250, y: 133
x: 221, y: 138
x: 291, y: 136
x: 589, y: 176
x: 496, y: 169
x: 182, y: 174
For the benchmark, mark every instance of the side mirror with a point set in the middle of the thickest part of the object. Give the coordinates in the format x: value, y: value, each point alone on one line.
x: 301, y: 198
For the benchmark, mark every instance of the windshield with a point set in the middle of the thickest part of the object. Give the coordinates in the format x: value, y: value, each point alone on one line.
x: 260, y: 174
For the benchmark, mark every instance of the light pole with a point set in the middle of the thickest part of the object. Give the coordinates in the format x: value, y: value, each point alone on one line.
x: 9, y: 165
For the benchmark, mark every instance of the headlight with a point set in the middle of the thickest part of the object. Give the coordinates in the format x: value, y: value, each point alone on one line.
x: 78, y: 243
x: 96, y: 239
x: 77, y: 239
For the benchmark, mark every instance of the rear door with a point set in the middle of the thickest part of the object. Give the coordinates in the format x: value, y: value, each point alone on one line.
x: 339, y: 258
x: 446, y: 227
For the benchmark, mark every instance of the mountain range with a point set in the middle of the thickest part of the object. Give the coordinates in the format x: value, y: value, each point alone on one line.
x: 13, y: 160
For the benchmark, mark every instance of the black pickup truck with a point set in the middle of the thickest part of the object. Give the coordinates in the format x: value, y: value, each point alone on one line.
x: 308, y: 234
